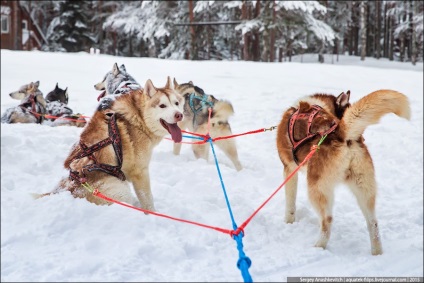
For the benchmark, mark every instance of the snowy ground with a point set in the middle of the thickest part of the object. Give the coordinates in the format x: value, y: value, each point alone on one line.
x: 59, y: 238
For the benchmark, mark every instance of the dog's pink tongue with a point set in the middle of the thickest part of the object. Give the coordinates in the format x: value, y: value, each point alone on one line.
x: 175, y: 132
x: 101, y: 95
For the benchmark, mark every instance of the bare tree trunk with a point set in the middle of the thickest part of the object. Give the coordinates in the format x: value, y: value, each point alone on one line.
x: 391, y: 36
x: 130, y: 45
x: 414, y: 10
x: 209, y: 35
x: 115, y: 49
x: 272, y: 43
x: 16, y: 26
x: 192, y: 33
x: 256, y: 40
x: 244, y: 16
x: 402, y: 47
x: 386, y: 33
x: 403, y: 37
x: 321, y: 52
x: 266, y: 38
x: 378, y: 28
x: 280, y: 54
x: 370, y: 30
x: 363, y: 31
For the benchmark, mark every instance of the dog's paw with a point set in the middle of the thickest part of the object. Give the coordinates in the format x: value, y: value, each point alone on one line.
x: 149, y: 208
x: 377, y: 250
x: 321, y: 243
x: 290, y: 218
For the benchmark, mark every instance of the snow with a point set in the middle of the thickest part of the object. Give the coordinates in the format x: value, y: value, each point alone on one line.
x: 59, y: 238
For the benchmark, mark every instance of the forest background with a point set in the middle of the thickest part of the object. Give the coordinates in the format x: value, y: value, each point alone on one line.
x: 267, y: 31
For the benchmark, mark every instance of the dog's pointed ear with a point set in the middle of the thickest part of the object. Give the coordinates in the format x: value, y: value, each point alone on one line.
x: 149, y: 88
x: 176, y: 85
x: 123, y: 68
x: 115, y: 69
x: 37, y: 84
x: 66, y: 93
x: 304, y: 106
x: 169, y: 83
x: 57, y: 86
x: 343, y: 99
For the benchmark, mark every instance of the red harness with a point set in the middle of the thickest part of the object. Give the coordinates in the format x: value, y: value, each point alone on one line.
x: 310, y: 117
x: 114, y: 139
x: 33, y: 104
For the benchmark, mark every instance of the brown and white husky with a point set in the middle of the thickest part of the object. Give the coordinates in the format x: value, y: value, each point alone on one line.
x: 116, y: 145
x: 196, y: 115
x: 342, y: 157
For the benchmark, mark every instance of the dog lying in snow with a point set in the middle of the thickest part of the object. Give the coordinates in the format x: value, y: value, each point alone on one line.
x: 34, y: 108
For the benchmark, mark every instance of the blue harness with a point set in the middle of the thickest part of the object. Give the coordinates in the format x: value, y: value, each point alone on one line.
x: 203, y: 102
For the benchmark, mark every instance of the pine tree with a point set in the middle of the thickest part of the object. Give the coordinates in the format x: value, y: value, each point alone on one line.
x: 69, y: 31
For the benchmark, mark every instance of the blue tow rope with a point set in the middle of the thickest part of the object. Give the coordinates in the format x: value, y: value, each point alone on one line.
x: 244, y: 262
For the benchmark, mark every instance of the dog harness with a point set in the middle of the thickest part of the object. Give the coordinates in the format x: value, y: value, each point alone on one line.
x: 114, y: 139
x: 309, y: 135
x: 203, y: 102
x: 33, y: 105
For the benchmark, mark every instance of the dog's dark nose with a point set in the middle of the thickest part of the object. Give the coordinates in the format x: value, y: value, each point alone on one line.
x: 178, y: 116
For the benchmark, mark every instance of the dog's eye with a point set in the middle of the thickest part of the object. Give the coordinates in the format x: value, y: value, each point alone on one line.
x: 162, y: 106
x: 176, y: 103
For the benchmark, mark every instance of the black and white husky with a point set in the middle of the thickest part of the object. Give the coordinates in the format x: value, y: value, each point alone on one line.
x: 116, y: 81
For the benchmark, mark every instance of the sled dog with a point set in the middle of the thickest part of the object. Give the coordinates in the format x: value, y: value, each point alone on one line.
x: 342, y: 157
x: 116, y: 145
x: 34, y: 107
x: 59, y: 112
x: 32, y: 103
x: 116, y: 81
x: 196, y: 115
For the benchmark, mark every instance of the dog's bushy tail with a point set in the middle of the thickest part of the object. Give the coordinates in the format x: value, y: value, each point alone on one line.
x: 222, y: 110
x: 369, y: 109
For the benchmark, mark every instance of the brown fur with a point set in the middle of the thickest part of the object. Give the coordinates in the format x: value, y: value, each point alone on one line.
x: 140, y: 131
x: 343, y: 157
x: 219, y: 125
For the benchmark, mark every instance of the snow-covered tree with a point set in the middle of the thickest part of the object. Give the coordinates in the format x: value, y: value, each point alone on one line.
x: 70, y: 31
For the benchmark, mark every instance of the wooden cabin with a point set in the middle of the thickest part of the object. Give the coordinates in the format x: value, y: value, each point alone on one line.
x: 19, y: 31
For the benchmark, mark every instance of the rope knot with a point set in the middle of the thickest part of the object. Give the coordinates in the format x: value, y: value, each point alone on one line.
x: 245, y: 259
x: 237, y: 232
x: 206, y: 138
x: 96, y: 192
x: 315, y: 147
